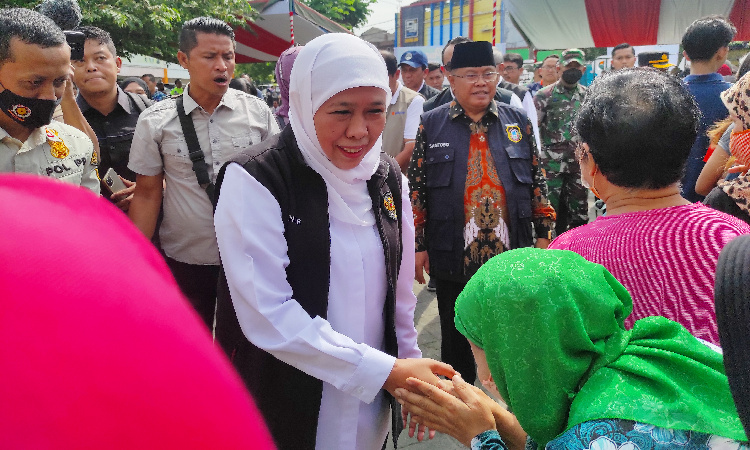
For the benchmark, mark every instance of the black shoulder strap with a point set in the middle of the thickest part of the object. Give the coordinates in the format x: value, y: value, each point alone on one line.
x: 394, y: 184
x: 194, y: 147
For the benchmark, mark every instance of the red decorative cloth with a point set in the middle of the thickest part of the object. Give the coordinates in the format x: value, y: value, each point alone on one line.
x: 486, y: 232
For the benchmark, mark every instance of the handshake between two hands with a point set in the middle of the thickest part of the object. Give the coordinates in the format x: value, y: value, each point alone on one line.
x: 453, y: 407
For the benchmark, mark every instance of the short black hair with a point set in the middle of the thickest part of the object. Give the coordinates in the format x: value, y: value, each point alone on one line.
x: 191, y: 28
x: 433, y: 66
x: 101, y: 36
x: 240, y: 84
x: 554, y: 56
x: 28, y: 26
x: 454, y: 41
x: 640, y: 125
x: 391, y: 63
x: 514, y: 58
x: 704, y: 37
x: 150, y: 77
x: 622, y: 46
x: 177, y: 81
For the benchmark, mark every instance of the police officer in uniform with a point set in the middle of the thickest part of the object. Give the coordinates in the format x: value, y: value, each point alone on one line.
x: 557, y: 105
x: 476, y: 188
x: 34, y: 72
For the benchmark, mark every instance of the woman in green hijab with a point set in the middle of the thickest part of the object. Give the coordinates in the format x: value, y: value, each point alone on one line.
x: 546, y: 328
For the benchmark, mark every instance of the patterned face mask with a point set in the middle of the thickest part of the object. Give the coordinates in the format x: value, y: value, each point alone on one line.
x: 32, y: 113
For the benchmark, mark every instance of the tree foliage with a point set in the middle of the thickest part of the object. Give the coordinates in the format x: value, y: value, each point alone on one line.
x: 349, y: 13
x: 261, y: 72
x: 151, y: 27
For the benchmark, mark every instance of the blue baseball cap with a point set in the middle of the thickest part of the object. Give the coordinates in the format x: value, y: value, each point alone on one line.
x: 414, y: 58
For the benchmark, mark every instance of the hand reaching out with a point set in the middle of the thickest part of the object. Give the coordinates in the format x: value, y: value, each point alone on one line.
x: 463, y: 416
x: 424, y: 369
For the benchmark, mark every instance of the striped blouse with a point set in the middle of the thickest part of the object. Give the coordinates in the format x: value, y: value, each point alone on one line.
x: 665, y: 257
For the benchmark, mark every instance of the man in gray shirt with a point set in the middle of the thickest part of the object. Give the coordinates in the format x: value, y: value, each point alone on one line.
x: 227, y: 122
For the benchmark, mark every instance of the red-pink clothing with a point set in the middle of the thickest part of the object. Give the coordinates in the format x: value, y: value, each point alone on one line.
x: 665, y: 257
x: 98, y: 347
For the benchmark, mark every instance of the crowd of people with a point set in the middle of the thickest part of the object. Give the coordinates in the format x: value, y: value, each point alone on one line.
x: 295, y: 230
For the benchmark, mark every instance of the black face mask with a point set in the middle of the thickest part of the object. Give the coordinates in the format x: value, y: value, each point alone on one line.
x: 32, y: 113
x: 571, y: 76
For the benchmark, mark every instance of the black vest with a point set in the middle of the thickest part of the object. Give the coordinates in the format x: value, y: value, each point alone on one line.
x: 520, y: 91
x: 288, y: 398
x: 446, y: 159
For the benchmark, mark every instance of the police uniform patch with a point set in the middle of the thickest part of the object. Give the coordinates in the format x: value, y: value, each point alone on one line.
x: 52, y: 135
x: 390, y: 206
x: 57, y: 147
x: 20, y: 112
x: 514, y: 133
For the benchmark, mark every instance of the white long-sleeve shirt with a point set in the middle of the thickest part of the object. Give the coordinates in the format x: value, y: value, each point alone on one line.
x: 344, y: 351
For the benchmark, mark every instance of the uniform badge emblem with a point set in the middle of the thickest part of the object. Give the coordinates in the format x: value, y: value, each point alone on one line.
x: 514, y: 133
x: 52, y: 135
x: 390, y: 206
x: 57, y: 147
x: 407, y: 56
x: 20, y: 112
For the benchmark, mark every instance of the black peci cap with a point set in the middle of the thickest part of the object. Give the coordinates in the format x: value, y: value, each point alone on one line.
x: 472, y: 54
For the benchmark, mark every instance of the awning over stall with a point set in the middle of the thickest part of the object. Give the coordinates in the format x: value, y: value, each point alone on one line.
x: 265, y: 38
x: 555, y: 24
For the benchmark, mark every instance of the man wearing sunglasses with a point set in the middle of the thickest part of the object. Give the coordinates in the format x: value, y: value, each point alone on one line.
x: 476, y: 188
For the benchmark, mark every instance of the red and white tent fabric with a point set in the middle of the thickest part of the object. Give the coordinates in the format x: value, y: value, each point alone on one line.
x: 270, y: 34
x: 555, y: 24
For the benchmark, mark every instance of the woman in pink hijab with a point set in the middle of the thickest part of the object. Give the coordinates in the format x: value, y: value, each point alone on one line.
x: 283, y: 74
x: 99, y: 348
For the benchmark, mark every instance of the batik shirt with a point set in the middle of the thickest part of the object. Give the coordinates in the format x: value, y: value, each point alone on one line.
x: 486, y: 232
x: 617, y: 434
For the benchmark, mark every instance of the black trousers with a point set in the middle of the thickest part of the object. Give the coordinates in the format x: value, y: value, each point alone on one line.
x: 454, y: 347
x: 198, y: 283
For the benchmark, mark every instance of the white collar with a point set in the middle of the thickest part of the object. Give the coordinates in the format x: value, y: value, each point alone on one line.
x: 394, y: 98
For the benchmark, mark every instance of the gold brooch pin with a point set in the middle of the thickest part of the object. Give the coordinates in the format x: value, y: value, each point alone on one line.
x: 390, y: 206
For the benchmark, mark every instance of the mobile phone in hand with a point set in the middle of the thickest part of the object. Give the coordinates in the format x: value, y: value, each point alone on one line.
x: 112, y: 181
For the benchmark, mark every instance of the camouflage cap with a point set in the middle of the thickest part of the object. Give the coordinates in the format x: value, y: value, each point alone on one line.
x: 573, y: 55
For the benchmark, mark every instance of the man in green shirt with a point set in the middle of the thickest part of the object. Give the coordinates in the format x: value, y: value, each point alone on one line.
x: 556, y: 106
x: 177, y: 89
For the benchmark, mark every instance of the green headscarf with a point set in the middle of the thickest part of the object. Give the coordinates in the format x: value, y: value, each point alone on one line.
x: 551, y: 325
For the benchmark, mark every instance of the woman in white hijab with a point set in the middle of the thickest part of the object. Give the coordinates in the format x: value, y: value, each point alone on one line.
x: 316, y: 238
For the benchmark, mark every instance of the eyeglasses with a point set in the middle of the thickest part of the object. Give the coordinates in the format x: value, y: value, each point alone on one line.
x: 474, y: 77
x: 581, y: 152
x: 549, y: 67
x: 510, y: 68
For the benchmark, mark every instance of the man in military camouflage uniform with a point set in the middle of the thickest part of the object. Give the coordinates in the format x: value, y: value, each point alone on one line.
x: 556, y: 107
